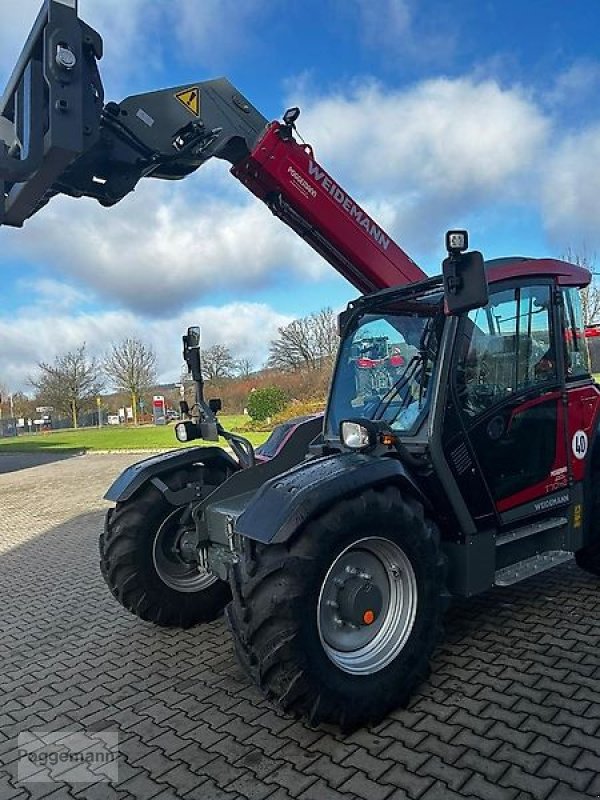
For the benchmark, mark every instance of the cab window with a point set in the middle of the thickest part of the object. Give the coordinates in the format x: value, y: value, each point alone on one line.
x: 504, y: 348
x: 577, y: 357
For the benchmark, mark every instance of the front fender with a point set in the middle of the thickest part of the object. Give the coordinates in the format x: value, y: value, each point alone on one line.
x: 286, y: 502
x: 135, y: 476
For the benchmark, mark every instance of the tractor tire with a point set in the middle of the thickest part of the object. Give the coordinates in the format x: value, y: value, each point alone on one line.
x: 338, y: 625
x: 142, y: 572
x: 588, y: 558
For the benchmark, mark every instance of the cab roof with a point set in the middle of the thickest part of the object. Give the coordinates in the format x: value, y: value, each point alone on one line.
x: 499, y: 269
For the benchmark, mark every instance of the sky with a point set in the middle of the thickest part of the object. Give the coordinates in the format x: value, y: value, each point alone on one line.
x: 481, y: 114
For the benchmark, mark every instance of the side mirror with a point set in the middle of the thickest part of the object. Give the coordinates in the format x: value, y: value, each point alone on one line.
x: 188, y: 430
x: 193, y: 337
x: 465, y: 281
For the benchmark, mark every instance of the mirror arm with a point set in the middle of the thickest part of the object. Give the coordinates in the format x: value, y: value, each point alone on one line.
x: 454, y: 280
x: 242, y: 447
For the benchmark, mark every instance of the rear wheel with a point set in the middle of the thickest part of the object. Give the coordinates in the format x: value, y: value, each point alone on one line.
x: 588, y: 558
x: 339, y: 625
x: 148, y: 560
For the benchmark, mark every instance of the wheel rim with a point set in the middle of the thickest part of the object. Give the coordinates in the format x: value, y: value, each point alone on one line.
x: 170, y: 567
x: 371, y: 567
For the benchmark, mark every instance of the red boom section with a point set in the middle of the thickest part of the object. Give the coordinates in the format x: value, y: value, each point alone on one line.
x: 285, y: 175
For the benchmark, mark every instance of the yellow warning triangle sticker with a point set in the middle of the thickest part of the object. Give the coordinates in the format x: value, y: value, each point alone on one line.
x: 190, y: 98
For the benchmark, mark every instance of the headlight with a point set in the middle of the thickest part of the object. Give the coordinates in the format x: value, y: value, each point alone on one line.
x: 186, y: 431
x: 358, y: 435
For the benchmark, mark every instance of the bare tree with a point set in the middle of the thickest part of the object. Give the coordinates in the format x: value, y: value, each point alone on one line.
x: 3, y: 398
x: 22, y: 405
x: 306, y: 343
x: 326, y: 337
x: 590, y: 295
x: 217, y: 362
x: 70, y: 383
x: 244, y: 367
x: 131, y: 367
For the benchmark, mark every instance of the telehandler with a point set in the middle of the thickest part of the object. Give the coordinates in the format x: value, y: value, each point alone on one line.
x: 472, y: 460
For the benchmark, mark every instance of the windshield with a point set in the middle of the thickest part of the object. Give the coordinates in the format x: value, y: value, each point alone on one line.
x: 384, y: 369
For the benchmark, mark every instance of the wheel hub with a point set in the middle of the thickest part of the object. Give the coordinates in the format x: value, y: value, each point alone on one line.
x: 359, y: 602
x: 175, y: 557
x: 367, y: 605
x: 186, y: 546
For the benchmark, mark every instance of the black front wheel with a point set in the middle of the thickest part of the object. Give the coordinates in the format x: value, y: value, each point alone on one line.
x: 339, y: 625
x: 148, y: 561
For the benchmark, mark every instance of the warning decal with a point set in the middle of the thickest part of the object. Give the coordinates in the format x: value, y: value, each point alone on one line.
x: 190, y: 98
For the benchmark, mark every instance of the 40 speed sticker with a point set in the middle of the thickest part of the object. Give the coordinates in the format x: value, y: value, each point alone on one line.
x: 579, y: 444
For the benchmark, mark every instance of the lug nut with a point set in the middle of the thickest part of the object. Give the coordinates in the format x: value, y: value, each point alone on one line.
x: 337, y: 621
x: 351, y: 570
x: 332, y: 604
x: 365, y: 576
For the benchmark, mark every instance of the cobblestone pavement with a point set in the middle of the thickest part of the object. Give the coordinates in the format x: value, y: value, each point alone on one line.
x: 512, y: 709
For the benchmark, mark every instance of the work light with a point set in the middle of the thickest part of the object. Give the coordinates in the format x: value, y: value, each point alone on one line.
x: 358, y: 435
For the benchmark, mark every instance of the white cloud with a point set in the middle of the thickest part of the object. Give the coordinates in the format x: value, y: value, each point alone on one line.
x: 212, y: 31
x: 442, y: 135
x: 387, y: 21
x: 570, y: 191
x: 399, y: 31
x: 161, y: 249
x: 247, y: 328
x: 575, y: 85
x: 53, y: 294
x: 430, y: 154
x: 419, y: 159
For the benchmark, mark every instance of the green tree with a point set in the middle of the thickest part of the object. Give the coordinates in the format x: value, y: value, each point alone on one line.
x: 265, y: 403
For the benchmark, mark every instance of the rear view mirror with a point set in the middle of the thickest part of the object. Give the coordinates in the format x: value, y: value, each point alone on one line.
x: 193, y: 337
x: 191, y: 352
x: 465, y: 282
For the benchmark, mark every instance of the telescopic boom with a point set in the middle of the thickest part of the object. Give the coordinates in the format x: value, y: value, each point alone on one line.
x: 57, y: 136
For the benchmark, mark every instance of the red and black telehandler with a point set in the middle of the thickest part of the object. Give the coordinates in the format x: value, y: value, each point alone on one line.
x: 471, y: 459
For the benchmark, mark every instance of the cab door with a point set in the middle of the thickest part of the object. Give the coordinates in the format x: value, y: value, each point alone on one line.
x: 508, y: 413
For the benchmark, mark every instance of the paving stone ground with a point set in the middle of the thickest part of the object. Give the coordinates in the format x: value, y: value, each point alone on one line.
x: 511, y: 711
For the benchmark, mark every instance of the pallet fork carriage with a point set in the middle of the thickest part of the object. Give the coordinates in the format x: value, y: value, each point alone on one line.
x: 468, y: 457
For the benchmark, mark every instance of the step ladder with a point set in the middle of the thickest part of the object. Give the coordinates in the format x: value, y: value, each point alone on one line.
x: 533, y: 564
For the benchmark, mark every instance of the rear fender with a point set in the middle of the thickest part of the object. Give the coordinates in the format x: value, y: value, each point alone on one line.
x: 286, y: 502
x: 157, y: 469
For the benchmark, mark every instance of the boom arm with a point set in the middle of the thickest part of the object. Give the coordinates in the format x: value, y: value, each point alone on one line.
x: 57, y: 136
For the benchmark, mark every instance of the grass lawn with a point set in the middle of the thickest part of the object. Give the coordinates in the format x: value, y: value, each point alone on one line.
x: 113, y: 437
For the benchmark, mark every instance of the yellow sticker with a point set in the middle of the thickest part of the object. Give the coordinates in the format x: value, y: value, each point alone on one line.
x: 577, y: 516
x: 190, y: 98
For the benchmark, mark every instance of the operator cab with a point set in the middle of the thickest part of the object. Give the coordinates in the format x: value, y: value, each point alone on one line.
x: 478, y: 396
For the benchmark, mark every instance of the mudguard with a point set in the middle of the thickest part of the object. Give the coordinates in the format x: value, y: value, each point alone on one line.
x: 286, y: 502
x: 135, y: 476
